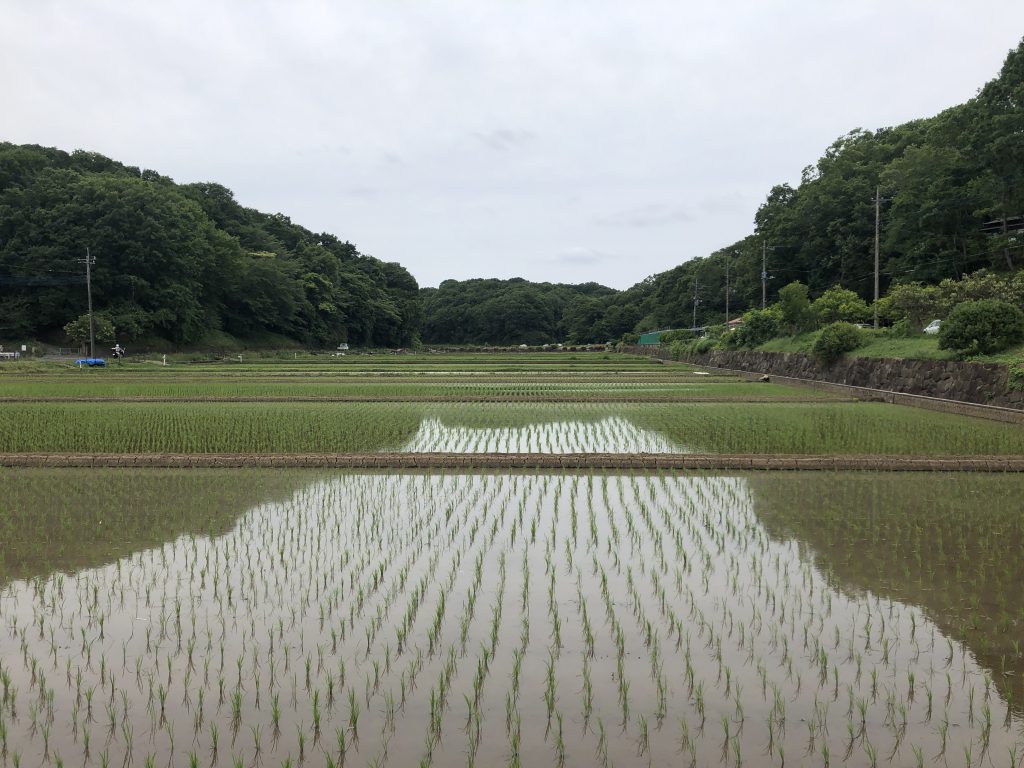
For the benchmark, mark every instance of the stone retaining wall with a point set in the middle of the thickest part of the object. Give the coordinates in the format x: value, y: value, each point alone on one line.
x: 980, y: 383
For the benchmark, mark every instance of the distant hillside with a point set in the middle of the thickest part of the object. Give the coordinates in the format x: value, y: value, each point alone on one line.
x: 941, y: 178
x: 179, y: 262
x: 176, y: 262
x: 516, y: 311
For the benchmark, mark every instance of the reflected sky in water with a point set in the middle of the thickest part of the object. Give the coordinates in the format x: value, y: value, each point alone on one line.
x: 705, y: 619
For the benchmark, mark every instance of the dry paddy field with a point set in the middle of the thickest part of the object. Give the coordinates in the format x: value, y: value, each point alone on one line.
x: 459, y: 617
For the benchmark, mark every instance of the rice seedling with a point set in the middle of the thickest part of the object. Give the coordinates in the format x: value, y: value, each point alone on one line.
x: 577, y: 427
x: 517, y: 619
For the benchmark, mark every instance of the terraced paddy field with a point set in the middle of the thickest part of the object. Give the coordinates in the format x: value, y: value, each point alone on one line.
x: 309, y: 427
x: 298, y: 388
x: 285, y: 618
x: 509, y: 617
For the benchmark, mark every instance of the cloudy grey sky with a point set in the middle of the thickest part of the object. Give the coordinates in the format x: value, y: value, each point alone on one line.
x: 563, y: 140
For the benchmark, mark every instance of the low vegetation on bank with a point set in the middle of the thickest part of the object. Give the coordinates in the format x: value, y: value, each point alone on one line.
x: 980, y: 316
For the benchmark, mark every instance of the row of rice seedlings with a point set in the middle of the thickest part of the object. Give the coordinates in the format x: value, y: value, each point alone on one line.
x: 607, y: 435
x: 871, y: 428
x: 612, y: 620
x: 206, y: 427
x: 955, y: 542
x: 193, y: 388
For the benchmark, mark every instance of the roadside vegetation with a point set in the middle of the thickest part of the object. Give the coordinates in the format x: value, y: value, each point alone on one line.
x: 981, y: 315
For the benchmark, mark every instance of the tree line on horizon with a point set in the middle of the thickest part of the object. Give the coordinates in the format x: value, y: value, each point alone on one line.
x: 177, y: 263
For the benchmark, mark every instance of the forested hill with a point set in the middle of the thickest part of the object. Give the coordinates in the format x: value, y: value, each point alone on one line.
x: 941, y: 179
x: 179, y: 262
x: 512, y: 312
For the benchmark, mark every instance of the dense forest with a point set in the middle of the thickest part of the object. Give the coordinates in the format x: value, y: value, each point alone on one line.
x: 181, y: 264
x: 178, y: 263
x: 509, y: 311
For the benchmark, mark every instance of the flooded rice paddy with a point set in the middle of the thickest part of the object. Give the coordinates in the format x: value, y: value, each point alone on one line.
x: 285, y: 618
x: 612, y: 434
x: 310, y: 427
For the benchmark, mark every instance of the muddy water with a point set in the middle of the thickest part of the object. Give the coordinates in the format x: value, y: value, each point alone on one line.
x: 502, y: 619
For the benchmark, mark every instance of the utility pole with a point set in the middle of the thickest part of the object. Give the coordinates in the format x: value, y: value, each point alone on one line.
x: 727, y: 290
x: 696, y: 301
x: 764, y: 273
x: 89, y: 261
x: 877, y: 223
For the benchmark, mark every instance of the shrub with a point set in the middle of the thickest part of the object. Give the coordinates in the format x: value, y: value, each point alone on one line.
x: 703, y: 345
x: 1016, y: 378
x: 981, y: 327
x: 913, y: 302
x: 795, y: 307
x: 668, y: 337
x: 759, y: 325
x: 835, y: 340
x: 903, y: 329
x: 691, y: 346
x: 78, y: 329
x: 839, y: 304
x: 731, y: 340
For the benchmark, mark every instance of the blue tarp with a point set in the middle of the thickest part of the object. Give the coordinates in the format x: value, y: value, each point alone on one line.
x: 91, y: 362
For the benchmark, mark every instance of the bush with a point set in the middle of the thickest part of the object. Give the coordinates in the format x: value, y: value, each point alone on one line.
x: 1016, y: 377
x: 913, y: 302
x: 78, y: 329
x: 759, y: 325
x: 835, y: 340
x: 981, y: 327
x: 839, y: 304
x: 680, y: 349
x: 668, y: 337
x: 903, y: 329
x: 701, y: 346
x: 730, y: 340
x: 795, y: 307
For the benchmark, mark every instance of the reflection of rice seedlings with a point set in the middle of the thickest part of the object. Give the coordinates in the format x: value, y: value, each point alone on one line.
x: 393, y: 593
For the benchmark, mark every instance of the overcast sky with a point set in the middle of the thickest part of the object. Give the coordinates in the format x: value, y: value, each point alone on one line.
x: 561, y: 140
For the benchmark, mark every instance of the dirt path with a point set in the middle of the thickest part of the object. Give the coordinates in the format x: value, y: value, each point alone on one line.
x: 568, y: 461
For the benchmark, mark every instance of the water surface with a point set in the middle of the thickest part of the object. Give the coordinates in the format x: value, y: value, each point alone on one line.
x: 599, y: 619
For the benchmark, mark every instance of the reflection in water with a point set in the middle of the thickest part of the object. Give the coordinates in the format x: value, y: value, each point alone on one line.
x: 952, y: 544
x: 500, y: 619
x: 612, y: 434
x: 69, y: 519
